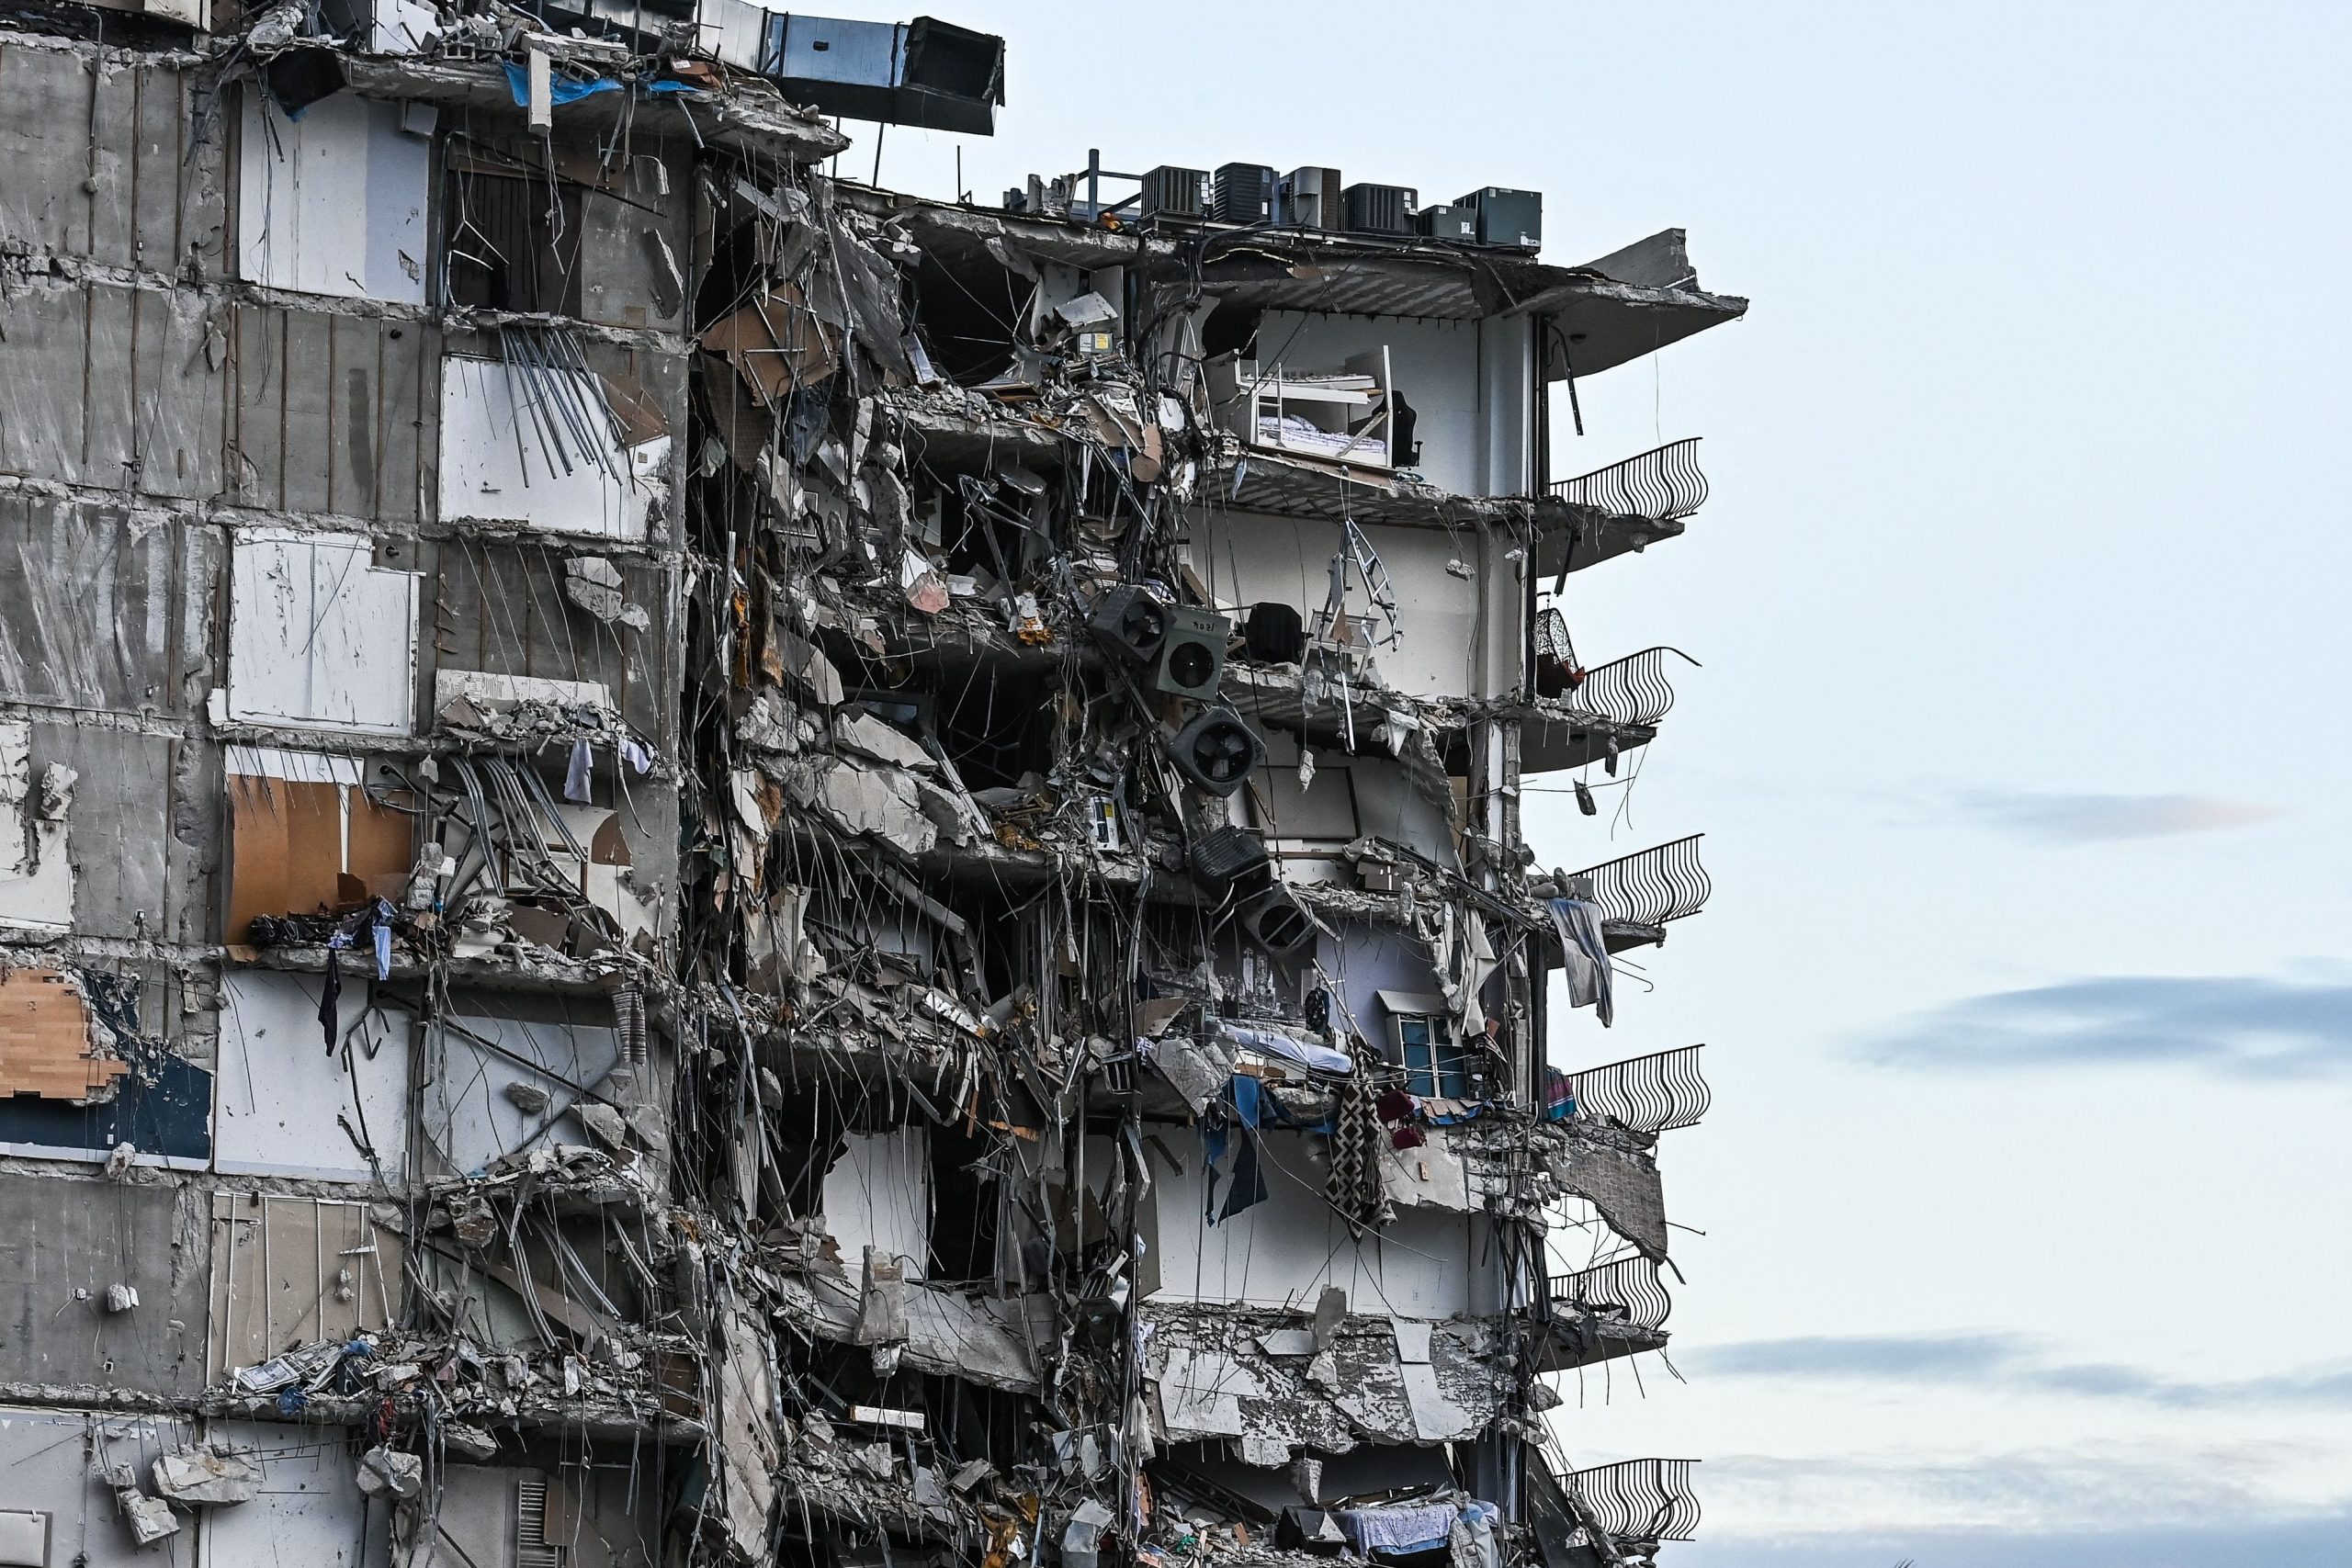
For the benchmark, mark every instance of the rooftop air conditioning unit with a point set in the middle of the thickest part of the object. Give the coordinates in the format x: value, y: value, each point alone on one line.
x: 1379, y: 210
x: 1308, y: 199
x: 1171, y: 192
x: 1244, y: 193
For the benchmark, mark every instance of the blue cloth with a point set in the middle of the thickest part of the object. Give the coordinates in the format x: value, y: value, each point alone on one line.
x: 1242, y: 1108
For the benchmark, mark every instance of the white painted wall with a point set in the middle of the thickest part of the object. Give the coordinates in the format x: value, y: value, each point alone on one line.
x: 334, y: 202
x: 499, y: 463
x: 1247, y: 557
x: 319, y: 635
x: 1283, y: 1252
x: 310, y: 1509
x: 878, y: 1194
x: 467, y: 1113
x: 1468, y: 382
x: 276, y: 1092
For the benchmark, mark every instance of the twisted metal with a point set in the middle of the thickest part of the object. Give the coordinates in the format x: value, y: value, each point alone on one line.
x: 1661, y: 484
x: 1637, y: 1499
x: 1651, y: 887
x: 1656, y: 1093
x: 1627, y: 1292
x: 1631, y: 689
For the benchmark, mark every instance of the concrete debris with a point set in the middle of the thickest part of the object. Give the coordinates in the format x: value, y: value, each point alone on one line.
x: 208, y: 1475
x: 796, y: 839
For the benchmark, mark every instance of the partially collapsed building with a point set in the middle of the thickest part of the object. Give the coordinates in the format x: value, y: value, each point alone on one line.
x: 702, y: 864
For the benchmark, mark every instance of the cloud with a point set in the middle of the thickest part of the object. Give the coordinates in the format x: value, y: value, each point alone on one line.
x: 2059, y: 817
x: 2012, y: 1363
x: 2318, y: 1541
x: 2239, y: 1025
x: 1905, y: 1497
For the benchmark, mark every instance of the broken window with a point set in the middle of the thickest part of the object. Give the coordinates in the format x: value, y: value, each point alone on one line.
x: 510, y: 241
x: 320, y: 634
x: 305, y: 838
x: 333, y: 202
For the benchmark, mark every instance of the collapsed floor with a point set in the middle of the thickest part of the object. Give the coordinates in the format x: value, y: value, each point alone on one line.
x: 704, y: 865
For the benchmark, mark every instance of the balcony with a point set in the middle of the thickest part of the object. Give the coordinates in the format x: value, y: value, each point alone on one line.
x: 1628, y: 505
x: 1592, y: 1519
x: 1615, y: 707
x: 1605, y: 1312
x: 1652, y: 1094
x: 1640, y: 893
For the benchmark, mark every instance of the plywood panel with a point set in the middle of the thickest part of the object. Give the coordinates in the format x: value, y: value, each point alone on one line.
x: 45, y: 1041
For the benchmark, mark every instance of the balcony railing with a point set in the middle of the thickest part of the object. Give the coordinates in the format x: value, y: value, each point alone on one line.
x: 1650, y: 886
x: 1637, y: 1499
x: 1656, y: 1093
x: 1664, y: 483
x: 1631, y: 689
x: 1627, y: 1292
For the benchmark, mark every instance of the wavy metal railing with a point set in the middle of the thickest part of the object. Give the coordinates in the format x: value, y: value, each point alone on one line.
x: 1627, y: 1291
x: 1651, y: 887
x: 1656, y: 1093
x: 1631, y: 689
x: 1637, y: 1499
x: 1662, y: 483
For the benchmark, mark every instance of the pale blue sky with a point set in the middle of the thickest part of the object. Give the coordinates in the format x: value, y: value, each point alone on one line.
x: 2018, y: 598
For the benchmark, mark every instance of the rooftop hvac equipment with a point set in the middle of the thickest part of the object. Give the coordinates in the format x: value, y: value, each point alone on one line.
x: 1175, y: 193
x: 1191, y: 658
x: 1448, y: 221
x: 1216, y: 750
x: 1244, y: 193
x: 1378, y: 209
x: 925, y: 72
x: 1308, y: 199
x: 1513, y: 218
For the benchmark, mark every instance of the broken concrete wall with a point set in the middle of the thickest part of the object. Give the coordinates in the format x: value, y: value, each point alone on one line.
x: 66, y: 1240
x: 109, y: 159
x: 103, y: 608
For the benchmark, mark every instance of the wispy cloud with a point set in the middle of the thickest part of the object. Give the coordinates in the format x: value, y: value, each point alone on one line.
x: 2313, y: 1541
x: 2012, y: 1363
x: 2240, y: 1025
x: 2060, y: 818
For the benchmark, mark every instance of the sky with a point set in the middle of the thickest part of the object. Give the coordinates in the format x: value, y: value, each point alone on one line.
x: 2016, y: 1234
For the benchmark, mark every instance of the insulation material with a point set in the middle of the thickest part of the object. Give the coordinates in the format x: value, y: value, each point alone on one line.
x: 49, y: 1048
x: 1624, y: 1187
x: 333, y: 202
x: 319, y: 635
x: 561, y: 1047
x: 293, y: 1271
x: 539, y: 448
x: 287, y: 1106
x: 36, y: 874
x: 878, y: 1195
x: 304, y: 837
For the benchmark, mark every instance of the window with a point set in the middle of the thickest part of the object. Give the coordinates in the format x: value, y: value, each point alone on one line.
x: 1434, y: 1061
x: 510, y: 241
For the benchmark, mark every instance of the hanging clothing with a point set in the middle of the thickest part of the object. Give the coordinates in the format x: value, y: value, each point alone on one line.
x: 1586, y: 963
